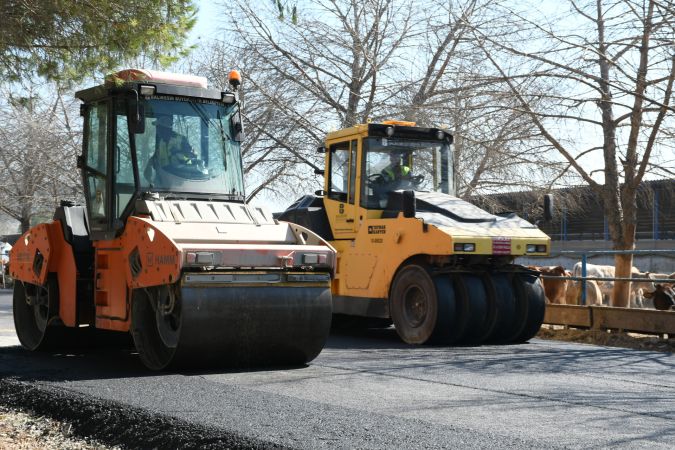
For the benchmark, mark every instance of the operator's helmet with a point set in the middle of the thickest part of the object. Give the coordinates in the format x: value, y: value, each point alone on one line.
x: 399, y: 155
x: 164, y: 121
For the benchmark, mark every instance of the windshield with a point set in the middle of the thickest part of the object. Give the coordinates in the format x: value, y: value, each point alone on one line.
x: 409, y: 164
x: 188, y: 147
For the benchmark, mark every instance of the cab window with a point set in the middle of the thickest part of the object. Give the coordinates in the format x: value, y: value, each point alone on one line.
x: 339, y: 171
x: 95, y: 172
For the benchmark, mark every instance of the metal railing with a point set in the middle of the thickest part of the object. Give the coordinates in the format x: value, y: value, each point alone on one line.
x: 584, y: 256
x: 604, y: 236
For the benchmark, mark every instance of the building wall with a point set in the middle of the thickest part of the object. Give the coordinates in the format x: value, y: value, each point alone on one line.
x: 579, y: 212
x: 661, y: 263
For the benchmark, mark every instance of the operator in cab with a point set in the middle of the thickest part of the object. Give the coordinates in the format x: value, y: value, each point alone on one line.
x: 397, y: 170
x: 173, y: 154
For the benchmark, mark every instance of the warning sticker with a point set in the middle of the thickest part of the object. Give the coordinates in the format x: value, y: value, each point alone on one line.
x: 501, y: 246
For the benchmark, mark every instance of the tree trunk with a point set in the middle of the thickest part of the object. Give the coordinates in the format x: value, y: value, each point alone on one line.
x: 624, y: 265
x: 25, y: 224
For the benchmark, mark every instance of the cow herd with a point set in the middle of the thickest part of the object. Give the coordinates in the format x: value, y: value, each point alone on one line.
x: 644, y: 293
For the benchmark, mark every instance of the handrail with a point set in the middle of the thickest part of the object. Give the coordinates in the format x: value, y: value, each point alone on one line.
x: 653, y: 280
x: 585, y: 253
x: 614, y: 252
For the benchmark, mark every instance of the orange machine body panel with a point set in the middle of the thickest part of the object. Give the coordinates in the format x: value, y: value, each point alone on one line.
x: 141, y: 257
x: 45, y: 241
x: 157, y: 259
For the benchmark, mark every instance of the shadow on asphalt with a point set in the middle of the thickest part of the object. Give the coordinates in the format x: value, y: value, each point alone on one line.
x: 378, y: 348
x: 366, y: 348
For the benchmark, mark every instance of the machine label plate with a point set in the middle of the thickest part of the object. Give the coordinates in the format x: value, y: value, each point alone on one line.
x: 377, y: 229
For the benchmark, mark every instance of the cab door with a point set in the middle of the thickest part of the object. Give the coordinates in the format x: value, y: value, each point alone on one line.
x: 95, y: 169
x: 340, y: 200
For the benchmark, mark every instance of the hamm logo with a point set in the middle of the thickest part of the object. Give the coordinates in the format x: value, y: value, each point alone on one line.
x: 160, y: 260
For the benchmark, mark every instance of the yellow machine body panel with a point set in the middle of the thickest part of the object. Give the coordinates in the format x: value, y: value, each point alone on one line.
x: 367, y: 264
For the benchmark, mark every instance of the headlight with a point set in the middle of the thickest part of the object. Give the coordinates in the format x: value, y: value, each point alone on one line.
x: 531, y: 248
x: 465, y: 247
x: 147, y: 90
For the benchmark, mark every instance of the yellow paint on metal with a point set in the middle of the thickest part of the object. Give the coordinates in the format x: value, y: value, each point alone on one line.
x: 390, y: 242
x: 371, y: 249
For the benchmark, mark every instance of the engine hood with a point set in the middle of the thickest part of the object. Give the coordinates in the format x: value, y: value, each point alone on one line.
x: 459, y: 217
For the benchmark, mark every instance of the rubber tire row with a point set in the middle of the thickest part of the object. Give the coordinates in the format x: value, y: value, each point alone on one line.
x: 464, y: 308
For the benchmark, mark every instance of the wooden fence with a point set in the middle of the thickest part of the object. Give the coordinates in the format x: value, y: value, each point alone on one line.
x: 647, y: 321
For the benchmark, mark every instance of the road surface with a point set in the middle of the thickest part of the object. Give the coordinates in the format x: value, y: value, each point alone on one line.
x: 365, y: 390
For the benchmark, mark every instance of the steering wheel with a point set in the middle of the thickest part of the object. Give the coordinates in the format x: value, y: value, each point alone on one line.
x: 417, y: 179
x: 375, y: 179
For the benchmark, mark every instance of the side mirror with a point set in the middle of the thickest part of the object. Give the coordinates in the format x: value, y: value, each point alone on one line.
x: 319, y: 172
x: 408, y: 204
x: 320, y: 193
x: 136, y: 116
x: 237, y: 126
x: 548, y: 207
x: 321, y: 149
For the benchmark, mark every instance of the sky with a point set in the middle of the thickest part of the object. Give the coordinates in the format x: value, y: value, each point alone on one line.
x: 207, y: 21
x: 205, y: 29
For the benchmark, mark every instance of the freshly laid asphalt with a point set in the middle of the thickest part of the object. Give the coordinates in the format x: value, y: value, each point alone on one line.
x: 365, y: 390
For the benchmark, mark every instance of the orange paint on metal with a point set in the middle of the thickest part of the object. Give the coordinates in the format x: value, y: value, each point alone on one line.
x: 112, y: 302
x: 24, y: 254
x: 159, y: 262
x: 48, y: 240
x: 160, y: 259
x: 63, y: 263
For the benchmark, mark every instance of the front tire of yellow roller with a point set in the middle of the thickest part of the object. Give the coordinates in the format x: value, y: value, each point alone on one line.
x: 532, y: 295
x: 155, y: 333
x: 414, y: 304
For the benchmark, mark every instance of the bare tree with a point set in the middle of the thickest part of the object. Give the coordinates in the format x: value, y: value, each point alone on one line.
x: 38, y: 150
x: 304, y: 77
x: 342, y: 62
x: 610, y: 67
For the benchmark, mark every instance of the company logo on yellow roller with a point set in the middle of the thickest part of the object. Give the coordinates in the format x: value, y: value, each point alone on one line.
x: 377, y: 229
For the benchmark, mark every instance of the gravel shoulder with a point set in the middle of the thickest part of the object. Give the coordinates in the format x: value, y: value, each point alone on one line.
x: 59, y: 417
x: 633, y: 341
x: 23, y: 431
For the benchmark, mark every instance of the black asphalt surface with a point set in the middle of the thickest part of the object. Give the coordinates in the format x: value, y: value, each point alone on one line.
x: 365, y: 390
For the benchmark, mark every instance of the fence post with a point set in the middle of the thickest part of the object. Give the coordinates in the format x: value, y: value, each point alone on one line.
x: 655, y: 216
x: 583, y: 281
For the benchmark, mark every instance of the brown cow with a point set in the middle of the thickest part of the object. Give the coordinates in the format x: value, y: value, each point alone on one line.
x: 553, y: 289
